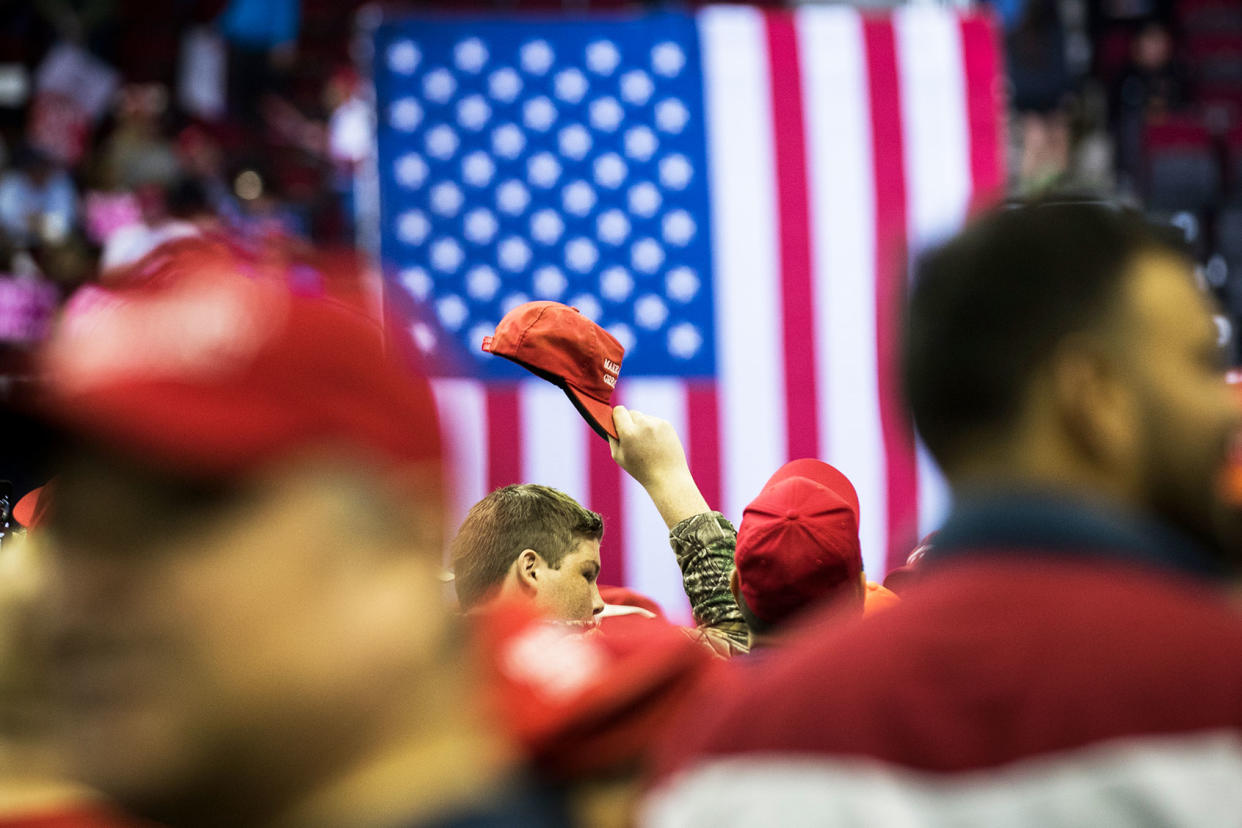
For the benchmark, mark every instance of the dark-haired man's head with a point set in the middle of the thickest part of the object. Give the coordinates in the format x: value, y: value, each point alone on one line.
x: 1067, y: 346
x: 530, y: 542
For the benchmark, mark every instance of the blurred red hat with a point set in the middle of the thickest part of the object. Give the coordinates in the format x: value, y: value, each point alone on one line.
x: 202, y: 369
x: 561, y: 345
x: 798, y: 543
x: 585, y: 703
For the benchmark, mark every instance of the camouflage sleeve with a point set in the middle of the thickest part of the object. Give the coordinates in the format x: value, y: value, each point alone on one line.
x: 704, y: 547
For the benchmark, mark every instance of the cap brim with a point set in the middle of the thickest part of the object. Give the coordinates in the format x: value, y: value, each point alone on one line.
x: 823, y: 474
x: 211, y: 433
x: 597, y: 414
x: 182, y: 428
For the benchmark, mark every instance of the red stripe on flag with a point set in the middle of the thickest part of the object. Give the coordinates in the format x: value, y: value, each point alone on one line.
x: 981, y: 66
x: 604, y: 486
x: 888, y: 155
x: 794, y: 223
x: 504, y: 436
x: 703, y: 439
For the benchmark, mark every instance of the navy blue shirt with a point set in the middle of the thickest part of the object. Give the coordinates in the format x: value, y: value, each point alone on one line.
x: 1077, y: 525
x: 525, y: 804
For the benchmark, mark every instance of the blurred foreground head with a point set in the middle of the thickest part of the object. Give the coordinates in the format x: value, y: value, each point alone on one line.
x: 244, y: 544
x: 1067, y: 347
x: 23, y: 692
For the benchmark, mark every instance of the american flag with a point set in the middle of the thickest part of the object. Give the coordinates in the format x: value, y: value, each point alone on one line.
x: 731, y: 193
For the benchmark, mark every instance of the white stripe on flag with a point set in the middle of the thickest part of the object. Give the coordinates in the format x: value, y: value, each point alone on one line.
x: 463, y: 423
x: 842, y: 206
x: 650, y: 565
x: 554, y: 439
x: 935, y: 121
x: 938, y: 185
x: 744, y: 251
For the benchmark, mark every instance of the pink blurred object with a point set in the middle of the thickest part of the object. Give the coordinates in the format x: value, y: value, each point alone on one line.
x: 107, y: 213
x: 26, y: 309
x: 73, y: 89
x: 58, y: 127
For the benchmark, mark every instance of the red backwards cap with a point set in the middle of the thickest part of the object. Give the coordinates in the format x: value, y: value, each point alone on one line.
x: 214, y: 373
x: 561, y: 345
x: 823, y: 474
x: 798, y: 543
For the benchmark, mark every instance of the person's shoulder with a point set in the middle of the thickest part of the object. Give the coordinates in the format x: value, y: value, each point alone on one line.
x: 991, y: 662
x: 1128, y: 616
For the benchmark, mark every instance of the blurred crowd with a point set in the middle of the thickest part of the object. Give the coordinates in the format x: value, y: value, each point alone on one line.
x: 225, y: 595
x: 226, y: 604
x: 123, y: 124
x: 1141, y: 98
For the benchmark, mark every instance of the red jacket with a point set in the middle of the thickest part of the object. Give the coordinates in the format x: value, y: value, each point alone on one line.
x: 1015, y: 690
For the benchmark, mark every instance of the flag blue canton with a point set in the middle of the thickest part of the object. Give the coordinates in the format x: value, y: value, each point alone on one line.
x: 540, y: 159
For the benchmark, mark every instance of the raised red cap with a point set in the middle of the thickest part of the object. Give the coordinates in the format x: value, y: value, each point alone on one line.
x: 567, y: 349
x: 797, y: 545
x: 210, y: 372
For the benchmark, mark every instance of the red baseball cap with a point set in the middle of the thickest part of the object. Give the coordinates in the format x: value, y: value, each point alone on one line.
x: 561, y: 345
x: 584, y: 704
x: 798, y: 543
x: 822, y: 473
x: 210, y: 372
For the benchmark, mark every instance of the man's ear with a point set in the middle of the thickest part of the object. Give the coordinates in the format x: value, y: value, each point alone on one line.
x: 735, y: 586
x: 1092, y: 404
x: 527, y: 567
